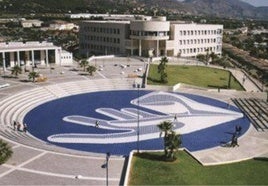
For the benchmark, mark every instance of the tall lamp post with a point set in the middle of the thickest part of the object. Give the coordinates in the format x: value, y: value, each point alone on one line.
x: 107, y: 163
x: 138, y: 122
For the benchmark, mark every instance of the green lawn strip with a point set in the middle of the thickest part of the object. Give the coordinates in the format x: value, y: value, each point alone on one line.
x: 148, y: 169
x: 194, y: 75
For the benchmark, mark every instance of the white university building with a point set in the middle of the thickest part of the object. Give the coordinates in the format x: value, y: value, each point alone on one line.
x: 149, y: 37
x: 33, y: 53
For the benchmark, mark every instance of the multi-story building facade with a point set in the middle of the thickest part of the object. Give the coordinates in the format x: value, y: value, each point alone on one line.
x: 152, y: 37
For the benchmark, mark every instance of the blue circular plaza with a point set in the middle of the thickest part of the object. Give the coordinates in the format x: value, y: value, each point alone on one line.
x: 108, y: 121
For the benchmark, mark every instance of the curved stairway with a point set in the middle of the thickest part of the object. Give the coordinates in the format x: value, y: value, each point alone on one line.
x: 15, y: 107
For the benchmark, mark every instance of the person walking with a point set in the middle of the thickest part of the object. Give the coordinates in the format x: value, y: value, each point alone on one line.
x: 97, y: 123
x: 234, y: 141
x: 238, y: 129
x: 18, y: 126
x: 14, y: 125
x: 175, y: 117
x: 25, y: 128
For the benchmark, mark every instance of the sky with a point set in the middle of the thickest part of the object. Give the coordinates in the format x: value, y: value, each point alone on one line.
x: 253, y: 2
x: 257, y: 2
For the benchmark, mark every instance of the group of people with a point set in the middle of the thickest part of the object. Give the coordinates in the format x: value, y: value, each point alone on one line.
x: 19, y: 127
x: 235, y: 135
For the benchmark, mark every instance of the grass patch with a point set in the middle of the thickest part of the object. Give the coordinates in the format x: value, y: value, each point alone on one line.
x: 148, y: 169
x: 194, y: 75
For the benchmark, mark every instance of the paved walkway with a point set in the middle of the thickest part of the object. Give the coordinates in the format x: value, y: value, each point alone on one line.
x: 34, y: 166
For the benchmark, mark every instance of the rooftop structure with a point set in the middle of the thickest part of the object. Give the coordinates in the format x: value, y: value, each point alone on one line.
x: 31, y: 23
x: 106, y: 16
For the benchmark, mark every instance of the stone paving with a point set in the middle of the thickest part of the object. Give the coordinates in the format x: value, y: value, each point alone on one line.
x: 34, y: 166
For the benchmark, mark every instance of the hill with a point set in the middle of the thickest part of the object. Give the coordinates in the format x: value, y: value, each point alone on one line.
x: 220, y: 8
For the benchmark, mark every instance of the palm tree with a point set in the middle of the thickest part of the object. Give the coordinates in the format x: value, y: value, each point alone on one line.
x: 91, y: 69
x: 33, y: 75
x: 172, y: 141
x: 207, y: 57
x: 16, y: 70
x: 201, y: 57
x: 5, y: 152
x: 84, y: 64
x: 165, y: 127
x: 214, y: 56
x: 162, y: 69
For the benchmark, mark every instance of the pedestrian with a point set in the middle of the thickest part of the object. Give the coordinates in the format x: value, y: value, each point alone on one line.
x: 228, y: 104
x: 97, y: 123
x: 175, y: 117
x: 259, y: 112
x: 234, y: 141
x: 244, y: 79
x: 238, y: 129
x: 14, y: 125
x: 18, y: 126
x: 24, y: 127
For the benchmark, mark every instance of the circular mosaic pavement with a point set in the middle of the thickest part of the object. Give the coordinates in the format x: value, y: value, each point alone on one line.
x: 108, y: 121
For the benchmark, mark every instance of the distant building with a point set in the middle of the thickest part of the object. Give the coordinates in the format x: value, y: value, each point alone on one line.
x: 66, y: 57
x: 259, y: 31
x: 149, y: 38
x: 106, y: 16
x: 31, y: 23
x: 62, y: 25
x: 33, y: 53
x: 243, y: 30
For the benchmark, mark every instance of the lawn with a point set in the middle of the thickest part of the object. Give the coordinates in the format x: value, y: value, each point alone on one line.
x: 194, y: 75
x: 148, y: 169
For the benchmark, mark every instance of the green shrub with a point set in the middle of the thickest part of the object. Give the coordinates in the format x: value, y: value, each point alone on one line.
x: 5, y: 152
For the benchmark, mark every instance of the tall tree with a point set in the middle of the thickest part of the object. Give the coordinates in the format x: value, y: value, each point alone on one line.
x: 84, y: 64
x: 162, y: 69
x: 5, y: 152
x: 33, y: 75
x: 172, y: 141
x: 16, y: 70
x: 91, y: 69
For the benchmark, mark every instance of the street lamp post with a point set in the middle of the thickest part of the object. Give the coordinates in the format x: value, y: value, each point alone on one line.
x: 138, y: 122
x: 107, y: 163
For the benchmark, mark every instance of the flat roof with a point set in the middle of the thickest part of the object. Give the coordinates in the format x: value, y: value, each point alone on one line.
x: 106, y: 21
x: 21, y: 46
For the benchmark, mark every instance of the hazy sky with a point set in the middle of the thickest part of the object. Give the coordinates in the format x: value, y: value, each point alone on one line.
x: 257, y: 2
x: 254, y: 2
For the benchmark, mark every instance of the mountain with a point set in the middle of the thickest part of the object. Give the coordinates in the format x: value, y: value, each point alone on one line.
x: 227, y: 8
x: 220, y: 8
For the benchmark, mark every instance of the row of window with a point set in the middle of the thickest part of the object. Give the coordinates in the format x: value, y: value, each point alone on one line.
x: 147, y: 33
x: 66, y: 57
x: 197, y: 50
x: 102, y: 39
x: 102, y: 48
x: 102, y: 30
x: 199, y: 41
x: 200, y: 32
